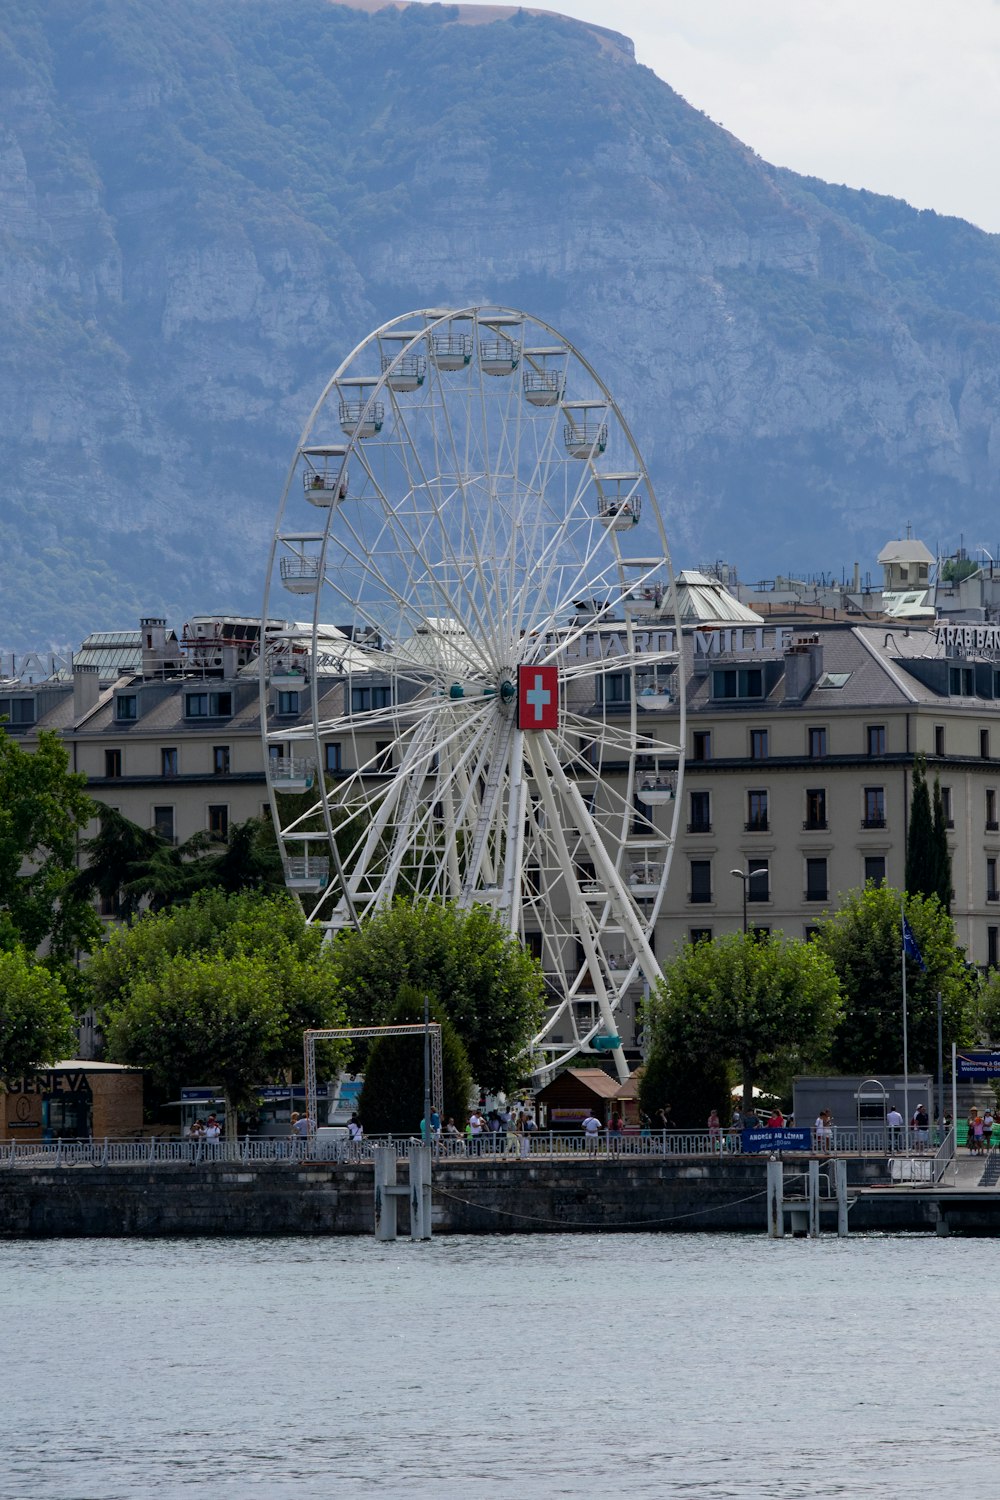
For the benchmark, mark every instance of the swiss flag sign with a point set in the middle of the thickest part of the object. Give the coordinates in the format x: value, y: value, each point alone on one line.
x: 537, y: 697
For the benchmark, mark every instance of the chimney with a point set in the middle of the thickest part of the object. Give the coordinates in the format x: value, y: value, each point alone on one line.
x: 86, y: 689
x: 153, y: 632
x: 803, y: 666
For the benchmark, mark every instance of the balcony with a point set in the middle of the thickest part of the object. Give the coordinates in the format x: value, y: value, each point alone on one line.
x: 700, y: 898
x: 992, y: 826
x: 757, y: 825
x: 873, y: 822
x: 817, y: 893
x: 699, y: 827
x: 815, y: 825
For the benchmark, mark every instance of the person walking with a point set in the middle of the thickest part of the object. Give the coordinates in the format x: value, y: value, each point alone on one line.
x: 988, y: 1123
x: 355, y: 1135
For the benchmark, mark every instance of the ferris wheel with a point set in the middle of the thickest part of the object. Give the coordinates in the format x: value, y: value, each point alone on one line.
x: 473, y: 706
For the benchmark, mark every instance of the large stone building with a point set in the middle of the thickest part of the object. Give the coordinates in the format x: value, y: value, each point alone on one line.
x: 799, y: 754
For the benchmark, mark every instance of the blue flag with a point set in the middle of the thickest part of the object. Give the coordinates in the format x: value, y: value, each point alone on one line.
x: 910, y: 946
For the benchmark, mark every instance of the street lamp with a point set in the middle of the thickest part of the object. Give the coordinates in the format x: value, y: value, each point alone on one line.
x: 746, y: 876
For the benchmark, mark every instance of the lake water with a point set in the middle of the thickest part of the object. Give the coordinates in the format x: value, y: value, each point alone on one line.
x: 480, y: 1368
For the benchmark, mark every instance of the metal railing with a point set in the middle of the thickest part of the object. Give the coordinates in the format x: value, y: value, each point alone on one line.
x: 538, y: 1145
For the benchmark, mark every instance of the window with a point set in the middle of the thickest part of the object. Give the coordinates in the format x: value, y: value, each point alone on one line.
x: 701, y: 881
x: 163, y: 823
x: 758, y: 880
x: 817, y: 744
x: 126, y: 707
x: 811, y: 933
x: 816, y: 880
x: 364, y: 699
x: 220, y: 760
x: 19, y: 710
x: 874, y: 807
x: 738, y: 682
x: 938, y: 739
x: 815, y: 807
x: 617, y: 689
x: 992, y: 946
x: 208, y: 705
x: 875, y: 739
x: 168, y: 761
x: 875, y: 869
x: 760, y: 934
x: 286, y: 701
x: 701, y: 813
x: 701, y: 934
x: 218, y: 820
x: 333, y: 753
x: 701, y: 745
x: 992, y: 893
x: 112, y: 763
x: 756, y: 812
x: 383, y: 755
x: 758, y: 744
x: 984, y: 744
x: 991, y: 810
x: 946, y: 807
x: 961, y: 682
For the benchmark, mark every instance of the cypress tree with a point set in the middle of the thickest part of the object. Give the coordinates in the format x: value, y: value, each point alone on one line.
x: 392, y: 1097
x: 942, y: 854
x: 921, y: 855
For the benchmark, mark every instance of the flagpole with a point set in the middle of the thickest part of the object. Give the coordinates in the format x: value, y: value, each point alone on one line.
x: 906, y: 1052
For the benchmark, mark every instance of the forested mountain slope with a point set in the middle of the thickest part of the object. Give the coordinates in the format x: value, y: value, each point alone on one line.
x: 205, y: 203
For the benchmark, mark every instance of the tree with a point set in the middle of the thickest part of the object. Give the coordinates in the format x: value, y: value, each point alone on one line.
x: 112, y: 855
x: 863, y: 941
x: 221, y: 988
x: 392, y: 1099
x: 36, y: 1023
x: 490, y: 987
x: 921, y: 860
x: 129, y: 865
x: 687, y: 1086
x: 941, y: 854
x: 43, y: 810
x: 767, y: 1004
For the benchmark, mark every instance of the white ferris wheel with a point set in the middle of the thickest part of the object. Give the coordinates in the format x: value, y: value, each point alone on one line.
x: 469, y: 708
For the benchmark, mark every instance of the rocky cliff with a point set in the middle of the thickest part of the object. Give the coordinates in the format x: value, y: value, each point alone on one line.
x: 204, y: 204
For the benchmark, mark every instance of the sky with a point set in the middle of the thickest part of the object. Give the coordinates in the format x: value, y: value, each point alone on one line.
x: 898, y: 96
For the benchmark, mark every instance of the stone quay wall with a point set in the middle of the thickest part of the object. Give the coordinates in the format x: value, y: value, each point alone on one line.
x: 482, y: 1198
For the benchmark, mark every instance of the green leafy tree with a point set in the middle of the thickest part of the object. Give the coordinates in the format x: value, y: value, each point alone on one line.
x: 863, y: 941
x: 921, y: 859
x: 767, y: 1005
x: 43, y: 810
x: 36, y: 1023
x: 241, y: 976
x: 490, y: 987
x: 392, y: 1099
x: 687, y: 1086
x: 940, y: 852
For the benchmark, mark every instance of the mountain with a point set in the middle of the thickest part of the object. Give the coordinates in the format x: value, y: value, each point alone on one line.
x: 204, y: 204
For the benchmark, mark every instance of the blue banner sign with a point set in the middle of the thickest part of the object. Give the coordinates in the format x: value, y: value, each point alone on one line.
x: 776, y: 1140
x: 978, y: 1064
